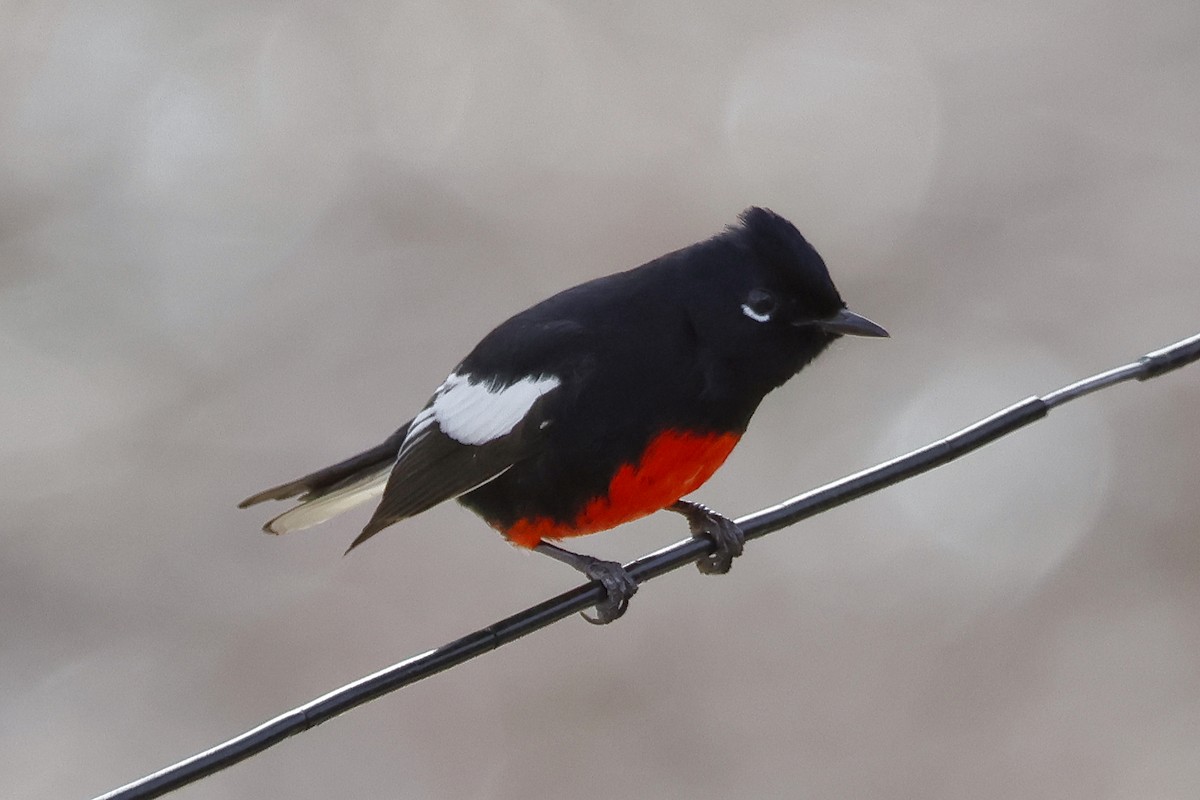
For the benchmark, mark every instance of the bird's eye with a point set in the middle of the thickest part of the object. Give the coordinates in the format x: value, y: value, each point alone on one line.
x: 759, y: 305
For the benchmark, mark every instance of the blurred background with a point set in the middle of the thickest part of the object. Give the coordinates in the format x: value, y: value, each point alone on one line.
x: 239, y: 241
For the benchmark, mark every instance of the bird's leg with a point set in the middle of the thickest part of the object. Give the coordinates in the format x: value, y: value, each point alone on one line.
x: 618, y: 584
x: 725, y: 533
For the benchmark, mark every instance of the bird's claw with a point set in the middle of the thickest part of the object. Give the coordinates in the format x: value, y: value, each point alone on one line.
x: 619, y: 586
x: 705, y: 523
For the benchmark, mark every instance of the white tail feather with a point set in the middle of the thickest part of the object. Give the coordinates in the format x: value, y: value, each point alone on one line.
x: 319, y: 509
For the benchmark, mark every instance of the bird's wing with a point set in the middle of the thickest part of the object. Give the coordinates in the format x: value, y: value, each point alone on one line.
x: 472, y: 431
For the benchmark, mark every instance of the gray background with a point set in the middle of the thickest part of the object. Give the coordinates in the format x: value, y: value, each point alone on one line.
x: 241, y: 240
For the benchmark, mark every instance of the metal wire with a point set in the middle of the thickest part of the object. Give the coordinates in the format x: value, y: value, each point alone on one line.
x: 651, y: 566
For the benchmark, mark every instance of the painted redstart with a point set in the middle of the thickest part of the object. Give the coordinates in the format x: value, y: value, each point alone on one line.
x: 604, y: 403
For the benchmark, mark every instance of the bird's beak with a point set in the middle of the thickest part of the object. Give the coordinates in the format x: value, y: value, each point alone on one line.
x: 850, y: 324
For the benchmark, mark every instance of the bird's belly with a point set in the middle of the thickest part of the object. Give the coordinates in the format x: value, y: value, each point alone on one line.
x: 674, y: 464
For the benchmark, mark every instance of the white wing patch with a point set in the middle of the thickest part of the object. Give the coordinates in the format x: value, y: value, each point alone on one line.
x: 420, y: 423
x: 474, y: 412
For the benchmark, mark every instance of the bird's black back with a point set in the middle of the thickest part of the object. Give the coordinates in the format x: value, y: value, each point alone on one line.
x: 664, y: 346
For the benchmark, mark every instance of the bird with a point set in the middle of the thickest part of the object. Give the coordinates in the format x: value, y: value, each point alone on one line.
x: 604, y: 403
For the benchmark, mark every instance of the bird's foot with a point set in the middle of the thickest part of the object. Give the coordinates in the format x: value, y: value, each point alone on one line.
x: 618, y: 584
x: 724, y: 532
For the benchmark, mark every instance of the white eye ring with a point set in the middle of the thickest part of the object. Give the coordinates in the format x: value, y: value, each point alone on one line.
x: 754, y: 315
x: 760, y: 305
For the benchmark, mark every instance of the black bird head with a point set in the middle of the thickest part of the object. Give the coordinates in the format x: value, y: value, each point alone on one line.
x: 775, y: 306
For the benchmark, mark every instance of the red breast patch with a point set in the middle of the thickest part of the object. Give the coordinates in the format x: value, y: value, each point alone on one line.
x: 674, y: 464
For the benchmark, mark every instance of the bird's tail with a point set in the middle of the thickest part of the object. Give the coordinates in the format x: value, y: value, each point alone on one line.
x: 330, y: 491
